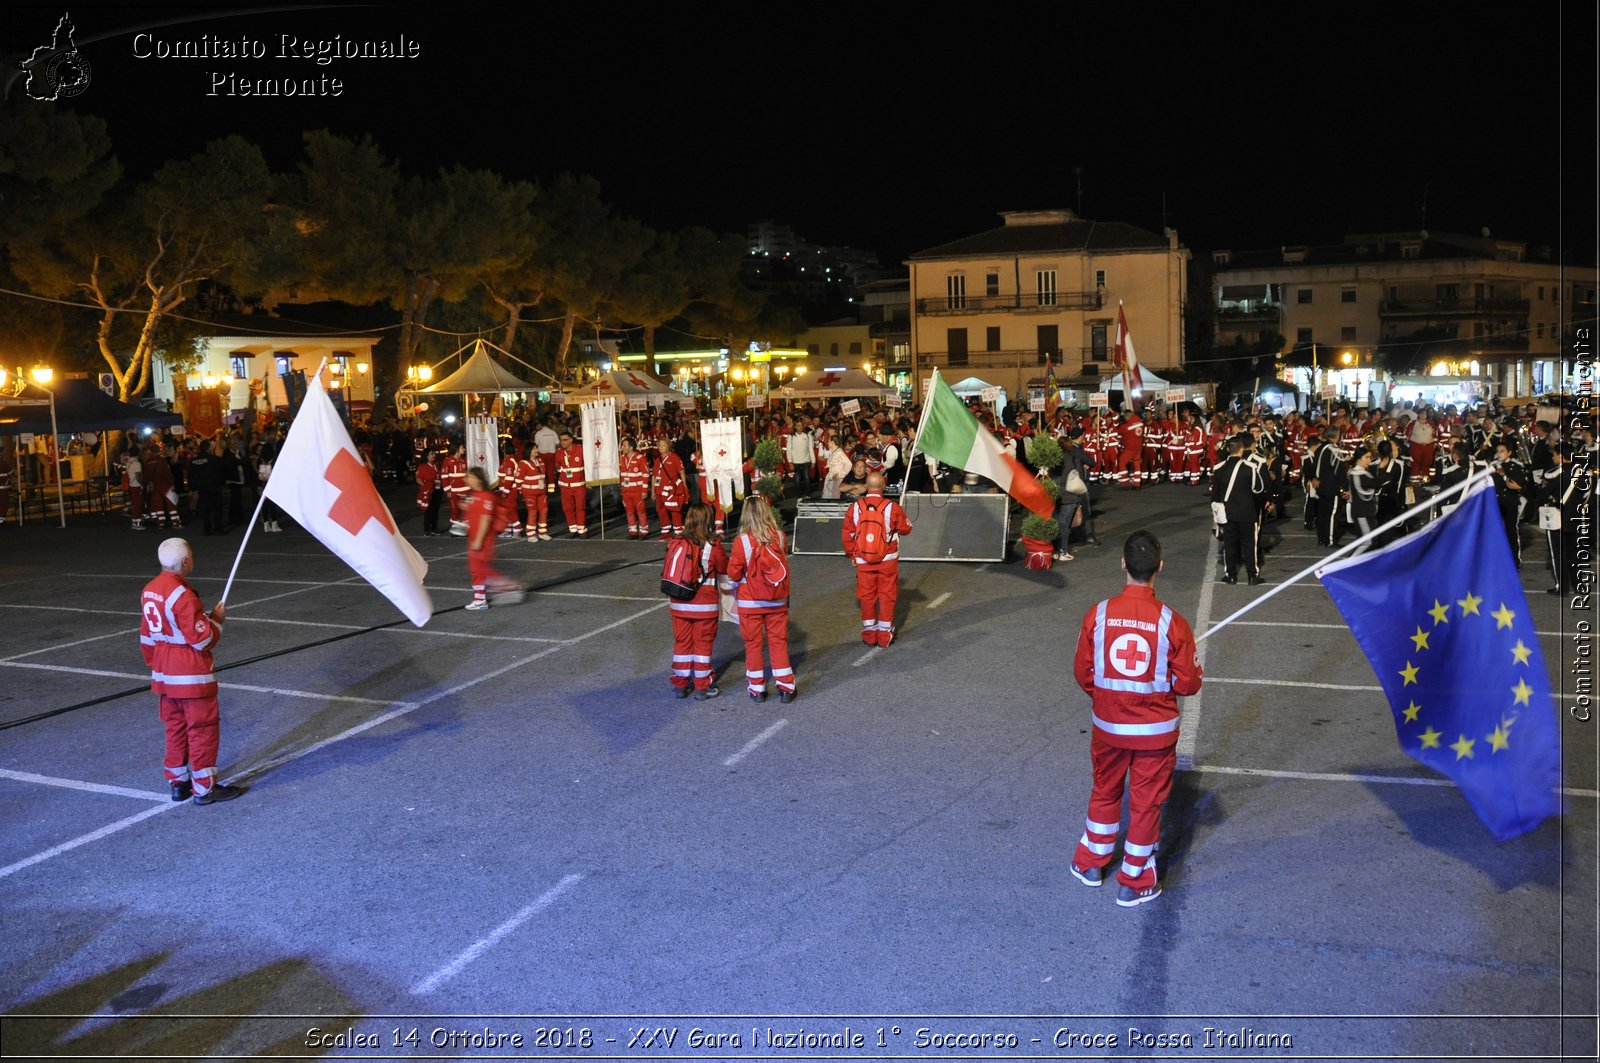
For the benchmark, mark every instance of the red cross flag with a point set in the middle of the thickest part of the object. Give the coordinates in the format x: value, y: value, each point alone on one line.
x: 321, y: 482
x: 1124, y: 358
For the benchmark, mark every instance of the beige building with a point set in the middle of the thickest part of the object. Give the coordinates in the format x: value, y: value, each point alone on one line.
x: 1046, y: 284
x: 268, y: 351
x: 1438, y: 304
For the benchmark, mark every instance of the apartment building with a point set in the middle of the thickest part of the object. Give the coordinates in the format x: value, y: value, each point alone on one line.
x: 1421, y: 303
x: 1045, y: 285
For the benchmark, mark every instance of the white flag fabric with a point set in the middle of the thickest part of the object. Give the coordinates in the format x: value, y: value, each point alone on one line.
x: 600, y: 442
x: 320, y: 480
x: 483, y: 446
x: 722, y: 453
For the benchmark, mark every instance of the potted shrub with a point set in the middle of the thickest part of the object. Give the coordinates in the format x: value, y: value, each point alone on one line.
x: 1044, y: 453
x: 1039, y: 540
x: 765, y: 460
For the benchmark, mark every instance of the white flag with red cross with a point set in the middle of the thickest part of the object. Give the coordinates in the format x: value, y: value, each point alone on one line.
x: 320, y: 481
x: 600, y: 456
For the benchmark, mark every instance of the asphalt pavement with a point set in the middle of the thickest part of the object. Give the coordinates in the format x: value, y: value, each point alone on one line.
x: 500, y: 836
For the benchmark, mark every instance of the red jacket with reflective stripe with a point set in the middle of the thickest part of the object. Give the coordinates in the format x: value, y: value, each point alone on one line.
x: 1135, y: 658
x: 177, y: 638
x: 684, y: 562
x: 759, y: 595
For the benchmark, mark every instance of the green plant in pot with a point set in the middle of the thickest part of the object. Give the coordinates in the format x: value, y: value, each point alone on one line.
x: 765, y: 460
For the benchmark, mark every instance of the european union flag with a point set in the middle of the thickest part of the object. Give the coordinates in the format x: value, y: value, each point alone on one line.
x: 1442, y: 617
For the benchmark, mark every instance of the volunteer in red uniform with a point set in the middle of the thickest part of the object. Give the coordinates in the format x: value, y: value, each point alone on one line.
x: 454, y: 474
x: 1135, y: 658
x: 634, y: 469
x: 872, y: 529
x: 535, y: 490
x: 177, y: 635
x: 1156, y: 435
x: 485, y: 515
x: 574, y: 488
x: 759, y: 565
x: 430, y: 492
x: 1193, y: 437
x: 1110, y: 446
x: 1130, y: 466
x: 506, y: 490
x: 695, y: 555
x: 133, y: 486
x: 1174, y: 424
x: 671, y: 489
x: 160, y: 495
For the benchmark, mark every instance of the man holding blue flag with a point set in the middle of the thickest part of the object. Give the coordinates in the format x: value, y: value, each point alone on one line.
x: 1442, y: 616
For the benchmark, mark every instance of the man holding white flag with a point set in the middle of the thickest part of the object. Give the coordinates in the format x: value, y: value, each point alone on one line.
x: 320, y: 481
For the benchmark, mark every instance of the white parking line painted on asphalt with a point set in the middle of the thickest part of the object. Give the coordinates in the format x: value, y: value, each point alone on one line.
x: 479, y: 947
x: 92, y: 836
x: 754, y: 743
x: 75, y: 784
x: 940, y: 600
x: 559, y: 594
x: 145, y: 577
x: 251, y: 688
x: 865, y: 657
x: 122, y: 633
x: 1329, y: 776
x: 1189, y: 710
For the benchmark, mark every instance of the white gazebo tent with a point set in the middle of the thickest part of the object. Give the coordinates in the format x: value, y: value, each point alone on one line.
x: 480, y: 375
x: 625, y: 384
x: 970, y: 386
x: 834, y: 384
x: 1150, y: 384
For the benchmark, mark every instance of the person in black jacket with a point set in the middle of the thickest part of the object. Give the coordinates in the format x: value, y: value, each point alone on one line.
x: 1364, y: 483
x: 1239, y: 486
x: 1570, y: 490
x: 1327, y: 476
x: 1510, y: 477
x: 206, y: 477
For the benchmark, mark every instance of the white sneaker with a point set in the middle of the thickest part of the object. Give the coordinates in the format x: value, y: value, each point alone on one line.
x: 477, y: 605
x: 545, y: 536
x: 458, y: 529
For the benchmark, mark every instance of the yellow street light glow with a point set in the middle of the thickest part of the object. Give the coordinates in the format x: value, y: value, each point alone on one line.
x: 209, y: 381
x: 425, y: 372
x: 2, y: 378
x: 335, y: 367
x: 43, y: 374
x: 1349, y: 358
x: 225, y: 382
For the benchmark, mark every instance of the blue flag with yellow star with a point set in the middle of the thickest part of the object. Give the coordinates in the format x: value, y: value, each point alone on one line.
x: 1443, y: 619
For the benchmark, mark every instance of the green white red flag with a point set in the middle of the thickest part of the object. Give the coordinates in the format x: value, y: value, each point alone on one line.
x: 952, y: 435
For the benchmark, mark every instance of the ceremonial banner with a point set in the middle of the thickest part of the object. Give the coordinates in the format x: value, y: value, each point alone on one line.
x: 600, y: 442
x: 320, y: 481
x: 483, y: 445
x: 1443, y: 619
x: 722, y: 451
x: 1124, y: 358
x: 1052, y: 391
x: 949, y: 433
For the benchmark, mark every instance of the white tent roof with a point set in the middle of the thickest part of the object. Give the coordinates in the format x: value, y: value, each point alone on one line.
x: 479, y: 374
x: 625, y: 384
x: 833, y: 384
x: 971, y: 386
x: 1151, y: 382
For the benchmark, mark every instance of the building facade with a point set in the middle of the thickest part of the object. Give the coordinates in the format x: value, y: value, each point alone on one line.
x: 1045, y: 287
x: 1411, y: 302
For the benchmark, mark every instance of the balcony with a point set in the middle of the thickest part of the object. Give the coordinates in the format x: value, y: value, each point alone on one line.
x: 1401, y: 308
x: 1067, y: 360
x: 1258, y: 314
x: 981, y: 304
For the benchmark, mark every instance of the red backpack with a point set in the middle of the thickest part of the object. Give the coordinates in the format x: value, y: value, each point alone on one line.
x: 872, y: 529
x: 682, y: 574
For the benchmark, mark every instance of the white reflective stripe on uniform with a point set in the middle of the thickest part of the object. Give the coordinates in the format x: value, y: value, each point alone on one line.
x: 1161, y: 728
x: 209, y: 639
x: 779, y: 672
x: 869, y: 624
x: 757, y: 603
x: 1160, y: 684
x: 1130, y: 849
x: 1101, y: 828
x: 1134, y: 872
x: 172, y: 621
x: 183, y: 680
x: 146, y: 640
x: 709, y: 607
x: 701, y: 660
x: 681, y: 657
x: 1163, y: 680
x: 1098, y: 848
x: 756, y: 676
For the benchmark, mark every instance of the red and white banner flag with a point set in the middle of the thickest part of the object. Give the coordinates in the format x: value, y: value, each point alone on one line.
x: 320, y: 480
x: 1125, y: 359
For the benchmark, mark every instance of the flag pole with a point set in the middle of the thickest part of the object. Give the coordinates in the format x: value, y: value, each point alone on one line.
x: 1448, y: 492
x: 261, y: 501
x: 922, y: 419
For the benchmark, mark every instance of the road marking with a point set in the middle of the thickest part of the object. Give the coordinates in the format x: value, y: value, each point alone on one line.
x: 75, y: 784
x: 750, y: 746
x: 865, y: 657
x: 92, y: 836
x: 1189, y: 714
x: 145, y: 577
x: 1327, y: 776
x: 479, y: 947
x: 940, y: 600
x: 122, y: 633
x: 562, y: 594
x: 281, y: 692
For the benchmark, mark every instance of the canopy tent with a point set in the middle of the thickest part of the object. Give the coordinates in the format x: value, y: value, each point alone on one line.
x: 1149, y: 383
x: 80, y: 407
x: 834, y: 384
x: 480, y: 375
x: 970, y: 386
x: 625, y: 384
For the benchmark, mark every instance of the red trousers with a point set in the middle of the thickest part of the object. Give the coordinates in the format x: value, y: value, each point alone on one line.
x: 480, y: 566
x: 771, y: 629
x: 136, y: 502
x: 193, y: 727
x: 575, y: 508
x: 538, y: 503
x: 1422, y: 460
x: 1130, y: 465
x: 1110, y: 461
x: 633, y: 506
x: 878, y: 588
x: 671, y: 514
x: 692, y: 638
x: 1148, y: 776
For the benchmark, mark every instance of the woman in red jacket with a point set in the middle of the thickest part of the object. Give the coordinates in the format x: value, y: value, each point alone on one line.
x: 484, y: 517
x: 759, y: 565
x: 695, y: 555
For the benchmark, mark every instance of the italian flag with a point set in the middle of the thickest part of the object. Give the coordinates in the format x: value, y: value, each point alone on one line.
x: 952, y: 435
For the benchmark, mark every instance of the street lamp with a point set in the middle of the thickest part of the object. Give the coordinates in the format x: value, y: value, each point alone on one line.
x: 43, y: 374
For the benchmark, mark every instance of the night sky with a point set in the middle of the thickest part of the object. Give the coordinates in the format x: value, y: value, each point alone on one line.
x: 895, y: 127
